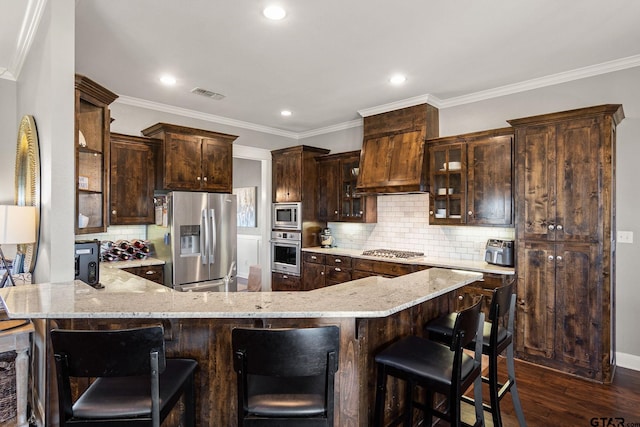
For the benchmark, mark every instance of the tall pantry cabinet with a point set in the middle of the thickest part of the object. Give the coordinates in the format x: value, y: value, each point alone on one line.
x: 565, y: 229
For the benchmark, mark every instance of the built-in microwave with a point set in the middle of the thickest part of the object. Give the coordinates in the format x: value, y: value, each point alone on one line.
x: 287, y: 216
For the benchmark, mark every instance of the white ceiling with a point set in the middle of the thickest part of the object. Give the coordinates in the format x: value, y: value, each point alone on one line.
x: 330, y: 59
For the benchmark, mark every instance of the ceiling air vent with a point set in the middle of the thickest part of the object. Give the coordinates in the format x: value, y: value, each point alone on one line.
x: 209, y: 94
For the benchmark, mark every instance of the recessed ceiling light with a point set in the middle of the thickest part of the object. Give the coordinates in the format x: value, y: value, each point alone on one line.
x: 398, y: 79
x: 274, y: 12
x: 168, y: 80
x: 285, y: 113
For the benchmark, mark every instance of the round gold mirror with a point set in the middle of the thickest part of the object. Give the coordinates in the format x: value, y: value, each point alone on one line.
x: 28, y: 182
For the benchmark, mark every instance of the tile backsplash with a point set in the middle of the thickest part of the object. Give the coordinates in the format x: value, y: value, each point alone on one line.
x: 403, y: 223
x: 117, y: 232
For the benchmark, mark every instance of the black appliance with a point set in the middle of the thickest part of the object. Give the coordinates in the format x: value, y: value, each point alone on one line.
x: 87, y: 253
x: 499, y: 252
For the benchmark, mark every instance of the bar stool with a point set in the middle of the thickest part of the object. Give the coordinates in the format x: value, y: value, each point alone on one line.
x: 437, y: 368
x: 495, y: 340
x: 135, y: 385
x: 286, y: 376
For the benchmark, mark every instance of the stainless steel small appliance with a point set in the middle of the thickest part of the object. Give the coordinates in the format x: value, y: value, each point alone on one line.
x: 87, y: 261
x: 287, y: 216
x: 499, y: 252
x: 326, y: 239
x: 285, y: 252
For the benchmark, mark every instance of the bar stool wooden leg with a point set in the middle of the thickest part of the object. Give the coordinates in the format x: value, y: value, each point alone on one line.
x: 381, y: 390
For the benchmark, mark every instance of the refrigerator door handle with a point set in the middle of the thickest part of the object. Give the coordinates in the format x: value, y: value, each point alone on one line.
x: 214, y: 236
x: 204, y: 238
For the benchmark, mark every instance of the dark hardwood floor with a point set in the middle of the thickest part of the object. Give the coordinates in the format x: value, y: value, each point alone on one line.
x: 550, y: 398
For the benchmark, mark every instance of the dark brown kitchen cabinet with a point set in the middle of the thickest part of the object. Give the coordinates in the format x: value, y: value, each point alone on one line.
x: 321, y: 270
x: 368, y: 267
x: 155, y: 273
x: 565, y: 226
x: 313, y: 276
x: 393, y: 156
x: 285, y: 282
x: 92, y: 122
x: 471, y: 179
x: 133, y: 179
x: 193, y: 159
x: 295, y: 175
x: 338, y: 200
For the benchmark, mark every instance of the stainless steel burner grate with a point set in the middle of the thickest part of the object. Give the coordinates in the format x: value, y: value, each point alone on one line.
x: 392, y: 253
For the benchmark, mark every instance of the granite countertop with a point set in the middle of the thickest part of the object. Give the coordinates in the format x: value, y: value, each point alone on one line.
x: 133, y: 263
x: 128, y: 296
x: 479, y: 266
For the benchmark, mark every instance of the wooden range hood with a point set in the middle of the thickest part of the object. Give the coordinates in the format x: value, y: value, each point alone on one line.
x: 394, y: 158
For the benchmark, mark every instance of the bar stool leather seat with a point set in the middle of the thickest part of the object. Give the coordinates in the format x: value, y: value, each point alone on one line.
x: 437, y: 368
x: 495, y: 340
x: 286, y: 376
x: 133, y: 383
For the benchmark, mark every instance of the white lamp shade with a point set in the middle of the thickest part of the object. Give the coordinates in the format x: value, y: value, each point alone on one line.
x: 17, y: 224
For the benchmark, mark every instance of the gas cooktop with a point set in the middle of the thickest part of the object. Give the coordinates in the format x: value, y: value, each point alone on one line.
x: 392, y: 253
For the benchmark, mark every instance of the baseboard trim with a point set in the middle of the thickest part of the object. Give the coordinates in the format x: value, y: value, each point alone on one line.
x: 629, y: 361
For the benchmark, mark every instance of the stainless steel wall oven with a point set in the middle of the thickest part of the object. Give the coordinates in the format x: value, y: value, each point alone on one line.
x: 286, y: 252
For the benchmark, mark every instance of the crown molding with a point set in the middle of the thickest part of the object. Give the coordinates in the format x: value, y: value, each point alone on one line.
x: 554, y: 79
x: 330, y: 129
x: 142, y: 103
x: 403, y: 103
x: 28, y: 30
x: 550, y: 80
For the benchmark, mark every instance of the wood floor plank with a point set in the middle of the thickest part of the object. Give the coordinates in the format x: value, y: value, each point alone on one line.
x: 551, y: 398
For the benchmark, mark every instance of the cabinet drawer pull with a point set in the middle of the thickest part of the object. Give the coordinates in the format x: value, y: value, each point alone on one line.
x: 285, y: 277
x: 337, y: 269
x: 149, y: 272
x: 338, y: 260
x: 314, y: 257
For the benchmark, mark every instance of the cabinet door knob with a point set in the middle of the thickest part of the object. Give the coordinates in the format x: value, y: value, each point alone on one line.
x: 460, y: 297
x: 335, y: 212
x: 559, y: 227
x: 113, y: 212
x: 322, y: 273
x: 204, y: 179
x: 551, y: 227
x: 550, y: 257
x: 430, y: 212
x: 559, y: 258
x: 361, y: 212
x: 197, y: 178
x: 470, y: 213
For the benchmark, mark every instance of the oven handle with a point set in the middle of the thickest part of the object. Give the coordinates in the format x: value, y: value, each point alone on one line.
x: 286, y: 242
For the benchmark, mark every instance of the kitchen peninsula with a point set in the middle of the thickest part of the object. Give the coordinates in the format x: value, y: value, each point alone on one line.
x: 371, y: 312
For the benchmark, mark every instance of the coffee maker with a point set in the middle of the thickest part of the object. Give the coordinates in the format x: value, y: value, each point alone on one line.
x: 326, y: 239
x: 87, y: 253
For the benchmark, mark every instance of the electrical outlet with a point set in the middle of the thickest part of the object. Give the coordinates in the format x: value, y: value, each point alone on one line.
x: 625, y: 237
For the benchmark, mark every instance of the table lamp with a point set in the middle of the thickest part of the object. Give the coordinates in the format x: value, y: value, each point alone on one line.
x: 17, y: 226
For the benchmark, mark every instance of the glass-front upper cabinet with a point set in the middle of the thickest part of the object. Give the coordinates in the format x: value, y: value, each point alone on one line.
x: 92, y: 154
x: 448, y: 186
x: 351, y: 202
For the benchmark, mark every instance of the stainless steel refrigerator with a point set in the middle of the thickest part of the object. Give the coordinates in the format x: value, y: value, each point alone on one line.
x: 197, y: 240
